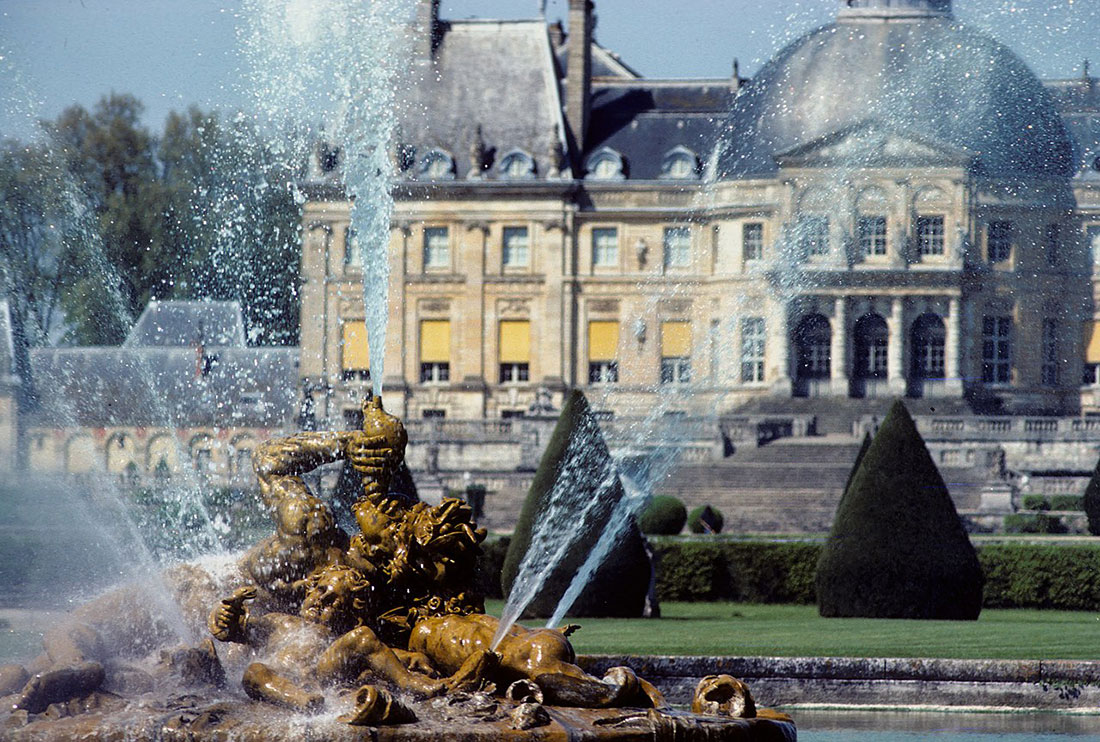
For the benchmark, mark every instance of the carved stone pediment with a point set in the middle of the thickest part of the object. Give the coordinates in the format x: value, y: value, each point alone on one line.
x: 520, y: 308
x: 872, y: 145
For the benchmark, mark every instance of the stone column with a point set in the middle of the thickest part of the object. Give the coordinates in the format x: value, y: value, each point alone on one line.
x: 781, y: 342
x: 839, y: 350
x: 469, y: 333
x: 898, y: 246
x: 894, y: 369
x: 952, y: 350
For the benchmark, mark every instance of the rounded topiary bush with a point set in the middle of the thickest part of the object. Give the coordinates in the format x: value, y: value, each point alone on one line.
x: 665, y: 515
x: 897, y: 548
x: 706, y: 519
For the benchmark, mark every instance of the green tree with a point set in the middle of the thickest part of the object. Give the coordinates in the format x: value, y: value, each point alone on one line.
x: 41, y: 221
x: 233, y: 214
x: 205, y: 210
x: 897, y: 548
x: 111, y: 156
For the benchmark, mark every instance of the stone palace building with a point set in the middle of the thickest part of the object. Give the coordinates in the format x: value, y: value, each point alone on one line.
x: 895, y: 205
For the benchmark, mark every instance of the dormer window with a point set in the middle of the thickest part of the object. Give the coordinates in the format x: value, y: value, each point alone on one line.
x: 437, y: 165
x: 680, y: 164
x: 517, y: 165
x: 605, y: 164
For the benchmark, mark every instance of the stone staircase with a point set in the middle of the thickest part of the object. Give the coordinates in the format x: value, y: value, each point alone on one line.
x: 792, y: 485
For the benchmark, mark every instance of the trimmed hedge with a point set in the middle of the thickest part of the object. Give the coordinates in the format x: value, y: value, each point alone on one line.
x: 1034, y: 523
x: 1041, y: 576
x: 1035, y: 502
x: 751, y: 572
x: 1067, y: 502
x: 1058, y: 577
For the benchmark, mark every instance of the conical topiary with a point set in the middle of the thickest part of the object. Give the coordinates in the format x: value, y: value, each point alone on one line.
x: 897, y: 548
x: 1092, y: 501
x: 859, y: 460
x: 577, y: 463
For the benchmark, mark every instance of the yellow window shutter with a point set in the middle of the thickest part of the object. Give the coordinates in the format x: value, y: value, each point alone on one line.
x: 435, y: 341
x: 603, y: 341
x: 515, y: 341
x: 1092, y: 341
x: 356, y: 355
x: 675, y: 339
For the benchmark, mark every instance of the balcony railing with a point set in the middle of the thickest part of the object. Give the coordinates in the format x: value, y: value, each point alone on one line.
x: 963, y: 427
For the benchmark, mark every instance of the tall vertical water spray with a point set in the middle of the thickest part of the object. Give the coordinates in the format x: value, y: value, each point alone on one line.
x: 336, y: 64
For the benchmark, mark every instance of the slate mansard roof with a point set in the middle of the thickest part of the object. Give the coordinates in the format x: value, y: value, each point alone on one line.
x: 498, y: 75
x: 163, y: 377
x: 931, y: 78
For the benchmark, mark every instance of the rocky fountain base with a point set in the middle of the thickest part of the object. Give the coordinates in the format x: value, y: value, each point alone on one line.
x: 325, y: 636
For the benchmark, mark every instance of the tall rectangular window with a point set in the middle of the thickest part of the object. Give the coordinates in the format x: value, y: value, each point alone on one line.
x: 354, y: 352
x: 1050, y: 352
x: 1053, y: 243
x: 675, y: 352
x: 752, y: 350
x: 930, y: 235
x: 998, y: 241
x: 996, y: 350
x: 603, y: 352
x: 514, y: 247
x: 515, y: 351
x: 435, y: 351
x: 752, y: 240
x: 1092, y: 234
x: 872, y: 235
x: 814, y: 231
x: 1091, y: 346
x: 605, y: 247
x: 677, y: 247
x: 353, y: 258
x: 437, y: 249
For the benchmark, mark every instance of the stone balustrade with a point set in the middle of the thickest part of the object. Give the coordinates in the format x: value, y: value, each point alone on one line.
x: 996, y: 428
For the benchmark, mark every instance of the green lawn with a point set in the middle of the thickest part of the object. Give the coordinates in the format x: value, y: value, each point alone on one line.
x: 797, y: 631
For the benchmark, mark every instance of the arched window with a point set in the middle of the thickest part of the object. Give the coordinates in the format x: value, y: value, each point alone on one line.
x: 813, y: 341
x: 927, y: 343
x: 517, y: 165
x: 680, y: 163
x: 437, y: 165
x: 605, y: 164
x: 121, y: 452
x: 871, y: 343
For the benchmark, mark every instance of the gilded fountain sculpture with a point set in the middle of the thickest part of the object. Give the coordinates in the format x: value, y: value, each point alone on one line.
x: 384, y: 625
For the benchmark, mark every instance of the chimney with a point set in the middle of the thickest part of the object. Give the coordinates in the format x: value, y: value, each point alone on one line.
x: 427, y: 29
x: 578, y: 76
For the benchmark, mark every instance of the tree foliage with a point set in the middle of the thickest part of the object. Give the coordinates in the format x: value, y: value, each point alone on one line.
x: 897, y: 548
x: 102, y: 215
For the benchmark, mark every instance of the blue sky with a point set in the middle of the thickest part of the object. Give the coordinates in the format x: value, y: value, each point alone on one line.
x: 171, y: 53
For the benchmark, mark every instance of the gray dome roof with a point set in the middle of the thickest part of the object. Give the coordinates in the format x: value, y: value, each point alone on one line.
x: 931, y: 77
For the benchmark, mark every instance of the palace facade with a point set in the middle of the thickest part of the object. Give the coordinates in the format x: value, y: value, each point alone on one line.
x: 893, y: 206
